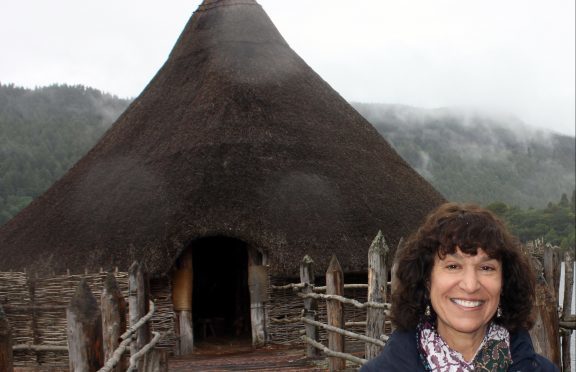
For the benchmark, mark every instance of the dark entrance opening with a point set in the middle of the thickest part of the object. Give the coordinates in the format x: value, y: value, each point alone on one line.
x: 220, y: 296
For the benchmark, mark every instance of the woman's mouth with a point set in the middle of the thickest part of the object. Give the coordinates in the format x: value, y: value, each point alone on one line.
x: 466, y: 303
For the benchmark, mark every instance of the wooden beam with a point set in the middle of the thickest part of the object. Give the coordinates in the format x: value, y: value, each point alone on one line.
x: 310, y: 304
x: 6, y: 354
x: 182, y: 285
x: 566, y: 311
x: 377, y: 292
x: 113, y: 307
x: 335, y: 310
x: 84, y: 328
x: 257, y: 285
x: 138, y: 297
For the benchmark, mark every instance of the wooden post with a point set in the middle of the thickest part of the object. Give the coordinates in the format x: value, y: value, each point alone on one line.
x: 6, y: 356
x: 335, y: 310
x: 545, y: 333
x: 393, y: 279
x: 377, y: 288
x: 182, y: 285
x: 84, y: 328
x: 552, y: 268
x: 113, y: 308
x: 138, y: 297
x: 566, y: 309
x: 258, y: 287
x: 155, y: 360
x: 310, y: 304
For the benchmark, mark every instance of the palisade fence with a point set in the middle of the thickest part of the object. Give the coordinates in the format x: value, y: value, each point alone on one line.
x: 44, y: 320
x: 342, y: 335
x: 343, y: 322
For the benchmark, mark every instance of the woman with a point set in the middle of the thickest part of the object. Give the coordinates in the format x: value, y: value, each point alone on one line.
x: 463, y: 299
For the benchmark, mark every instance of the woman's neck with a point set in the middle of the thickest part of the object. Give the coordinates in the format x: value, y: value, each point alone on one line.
x: 466, y: 344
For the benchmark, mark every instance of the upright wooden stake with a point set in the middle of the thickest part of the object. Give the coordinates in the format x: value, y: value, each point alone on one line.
x: 552, y: 268
x: 138, y: 297
x: 335, y: 310
x: 310, y: 304
x: 377, y: 291
x: 258, y: 287
x: 113, y: 308
x: 566, y: 309
x: 393, y: 279
x: 545, y: 333
x: 84, y: 328
x: 6, y: 357
x: 156, y: 360
x: 182, y: 285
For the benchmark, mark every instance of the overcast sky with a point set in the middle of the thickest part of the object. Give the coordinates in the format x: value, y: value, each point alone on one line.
x: 516, y: 56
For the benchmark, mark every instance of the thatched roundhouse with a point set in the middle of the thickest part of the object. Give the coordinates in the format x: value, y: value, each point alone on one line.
x: 236, y: 154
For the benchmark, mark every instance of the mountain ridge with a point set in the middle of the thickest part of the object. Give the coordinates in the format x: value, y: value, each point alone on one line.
x: 468, y: 156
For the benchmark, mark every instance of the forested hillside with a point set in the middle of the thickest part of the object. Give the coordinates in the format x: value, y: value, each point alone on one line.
x: 477, y: 157
x: 526, y: 176
x: 43, y: 132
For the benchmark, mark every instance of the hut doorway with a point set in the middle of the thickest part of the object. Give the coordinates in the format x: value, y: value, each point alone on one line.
x: 220, y: 295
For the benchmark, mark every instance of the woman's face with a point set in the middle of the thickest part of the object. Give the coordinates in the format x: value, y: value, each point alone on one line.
x: 465, y: 292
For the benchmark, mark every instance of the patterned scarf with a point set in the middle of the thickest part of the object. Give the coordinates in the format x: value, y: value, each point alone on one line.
x: 492, y: 355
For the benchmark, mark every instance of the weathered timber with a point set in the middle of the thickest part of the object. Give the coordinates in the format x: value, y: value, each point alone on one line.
x: 394, y: 280
x: 333, y: 353
x: 310, y: 304
x: 335, y: 313
x: 258, y: 288
x: 6, y: 356
x: 345, y: 332
x: 138, y: 297
x: 566, y: 310
x: 377, y: 292
x: 138, y: 360
x: 345, y: 300
x: 155, y: 360
x: 182, y: 284
x: 545, y: 333
x: 84, y: 328
x: 113, y: 307
x: 185, y: 331
x: 552, y: 268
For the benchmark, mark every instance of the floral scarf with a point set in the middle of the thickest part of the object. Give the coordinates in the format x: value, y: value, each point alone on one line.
x: 492, y: 355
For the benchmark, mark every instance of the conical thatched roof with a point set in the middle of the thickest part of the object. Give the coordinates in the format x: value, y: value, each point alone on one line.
x: 235, y: 136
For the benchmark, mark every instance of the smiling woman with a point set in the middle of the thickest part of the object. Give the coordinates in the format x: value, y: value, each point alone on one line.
x: 463, y: 299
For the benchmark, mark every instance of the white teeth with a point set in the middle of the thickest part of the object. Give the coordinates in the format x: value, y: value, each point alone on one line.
x: 467, y: 303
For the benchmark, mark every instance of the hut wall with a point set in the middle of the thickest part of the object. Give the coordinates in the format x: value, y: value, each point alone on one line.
x: 36, y: 311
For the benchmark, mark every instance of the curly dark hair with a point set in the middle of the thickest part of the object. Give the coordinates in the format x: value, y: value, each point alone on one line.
x: 468, y: 227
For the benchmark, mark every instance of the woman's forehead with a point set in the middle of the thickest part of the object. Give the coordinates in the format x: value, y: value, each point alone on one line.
x: 480, y: 255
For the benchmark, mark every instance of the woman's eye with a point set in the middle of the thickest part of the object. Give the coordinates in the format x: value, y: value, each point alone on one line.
x: 451, y: 266
x: 488, y: 268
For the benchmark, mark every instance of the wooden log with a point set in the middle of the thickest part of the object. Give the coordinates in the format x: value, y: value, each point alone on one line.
x: 377, y: 292
x: 6, y: 354
x: 113, y: 310
x: 182, y: 285
x: 84, y: 330
x: 546, y: 333
x: 138, y: 297
x: 393, y: 279
x: 566, y: 310
x: 155, y: 361
x: 258, y: 288
x: 310, y: 304
x: 335, y: 313
x: 552, y: 268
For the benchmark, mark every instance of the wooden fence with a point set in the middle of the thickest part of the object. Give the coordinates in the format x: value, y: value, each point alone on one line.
x: 551, y: 333
x: 98, y: 334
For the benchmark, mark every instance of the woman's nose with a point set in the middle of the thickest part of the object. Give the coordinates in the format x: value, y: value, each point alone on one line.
x: 470, y: 281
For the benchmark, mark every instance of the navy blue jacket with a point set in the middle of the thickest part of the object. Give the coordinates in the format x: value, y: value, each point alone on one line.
x: 401, y: 354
